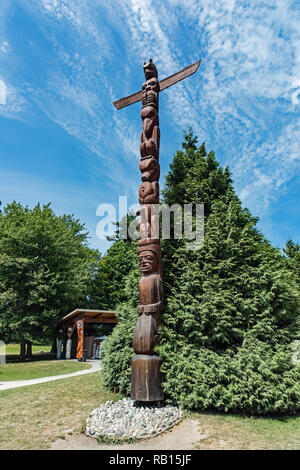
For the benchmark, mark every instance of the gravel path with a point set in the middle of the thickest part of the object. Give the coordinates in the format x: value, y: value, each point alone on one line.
x: 96, y: 366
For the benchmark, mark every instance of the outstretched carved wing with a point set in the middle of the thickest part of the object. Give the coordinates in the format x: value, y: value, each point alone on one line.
x: 123, y: 102
x: 177, y: 77
x: 165, y: 83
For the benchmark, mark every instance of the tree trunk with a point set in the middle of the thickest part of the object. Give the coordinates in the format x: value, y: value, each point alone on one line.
x: 64, y: 348
x: 54, y: 346
x: 29, y: 349
x: 22, y: 350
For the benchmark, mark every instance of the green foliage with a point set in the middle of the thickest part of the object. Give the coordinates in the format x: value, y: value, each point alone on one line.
x: 44, y: 269
x: 195, y: 177
x: 256, y: 379
x: 292, y: 253
x: 231, y: 307
x: 107, y: 285
x: 118, y: 350
x: 113, y: 440
x: 122, y: 228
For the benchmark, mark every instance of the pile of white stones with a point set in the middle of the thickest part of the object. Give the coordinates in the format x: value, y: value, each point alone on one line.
x: 125, y: 419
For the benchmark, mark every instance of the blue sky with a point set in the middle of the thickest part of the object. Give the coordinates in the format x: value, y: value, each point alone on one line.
x: 62, y: 63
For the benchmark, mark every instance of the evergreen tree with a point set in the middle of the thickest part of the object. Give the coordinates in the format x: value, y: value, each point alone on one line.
x: 231, y: 307
x: 292, y: 253
x: 118, y: 346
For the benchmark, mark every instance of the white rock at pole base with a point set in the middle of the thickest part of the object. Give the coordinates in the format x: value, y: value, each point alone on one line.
x: 126, y: 419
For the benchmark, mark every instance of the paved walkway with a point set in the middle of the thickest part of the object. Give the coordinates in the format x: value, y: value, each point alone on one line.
x: 96, y: 366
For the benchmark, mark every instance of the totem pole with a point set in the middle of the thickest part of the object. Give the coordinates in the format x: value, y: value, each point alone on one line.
x: 145, y: 373
x: 145, y: 376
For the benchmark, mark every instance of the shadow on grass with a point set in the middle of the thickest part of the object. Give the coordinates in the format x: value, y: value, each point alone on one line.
x: 14, y: 358
x: 283, y: 418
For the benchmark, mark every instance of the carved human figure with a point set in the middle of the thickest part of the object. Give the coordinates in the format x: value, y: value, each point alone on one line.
x: 150, y: 286
x: 145, y: 335
x: 150, y: 289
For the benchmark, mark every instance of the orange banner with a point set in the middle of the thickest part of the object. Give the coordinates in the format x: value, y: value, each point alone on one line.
x: 80, y: 334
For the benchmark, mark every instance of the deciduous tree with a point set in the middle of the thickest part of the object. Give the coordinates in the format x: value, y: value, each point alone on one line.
x: 44, y: 269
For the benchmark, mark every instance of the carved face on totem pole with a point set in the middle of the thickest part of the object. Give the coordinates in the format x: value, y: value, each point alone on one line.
x: 150, y: 91
x: 151, y: 85
x: 149, y: 193
x: 150, y: 169
x: 148, y: 261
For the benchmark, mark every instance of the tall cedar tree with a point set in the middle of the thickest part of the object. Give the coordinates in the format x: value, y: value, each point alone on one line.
x: 292, y: 254
x: 231, y: 308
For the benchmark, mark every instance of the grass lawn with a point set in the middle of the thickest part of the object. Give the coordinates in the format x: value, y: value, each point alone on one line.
x: 14, y: 349
x: 33, y: 417
x: 35, y: 370
x: 220, y: 431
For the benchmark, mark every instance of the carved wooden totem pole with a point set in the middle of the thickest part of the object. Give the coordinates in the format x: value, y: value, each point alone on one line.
x: 145, y: 374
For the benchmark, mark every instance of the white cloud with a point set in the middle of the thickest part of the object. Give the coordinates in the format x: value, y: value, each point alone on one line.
x: 264, y: 175
x: 12, y: 103
x: 4, y: 47
x: 148, y: 26
x: 77, y: 92
x: 241, y: 102
x: 251, y: 64
x: 73, y: 16
x: 2, y: 92
x: 128, y: 137
x: 296, y: 93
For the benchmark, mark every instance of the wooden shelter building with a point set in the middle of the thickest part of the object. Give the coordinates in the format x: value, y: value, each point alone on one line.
x: 93, y: 325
